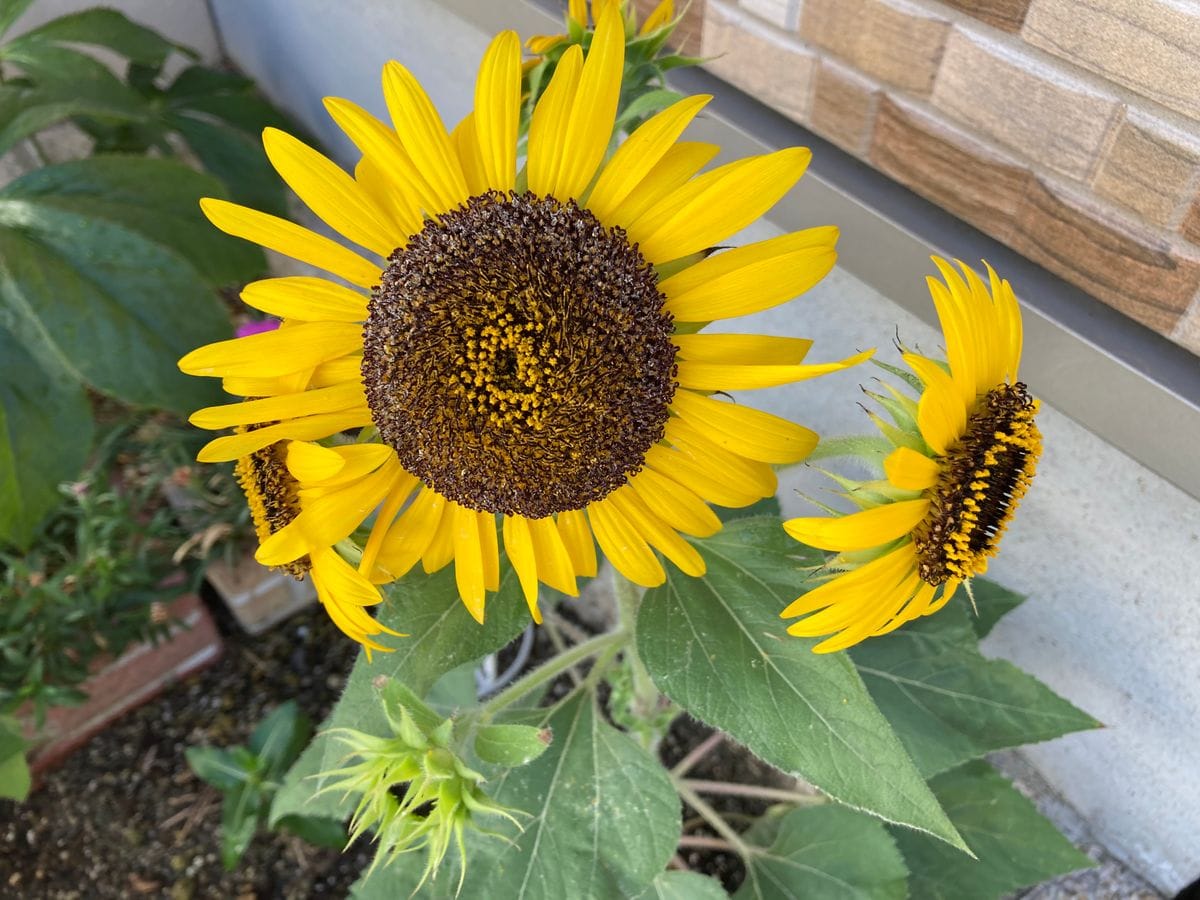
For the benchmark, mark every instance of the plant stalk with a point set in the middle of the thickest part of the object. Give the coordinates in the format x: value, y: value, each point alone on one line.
x: 552, y: 669
x: 629, y: 597
x: 713, y: 818
x: 754, y: 791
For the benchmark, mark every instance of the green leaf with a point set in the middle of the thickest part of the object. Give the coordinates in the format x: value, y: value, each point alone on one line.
x: 25, y: 111
x: 100, y: 28
x: 316, y: 831
x: 239, y: 822
x: 992, y: 602
x: 683, y: 886
x: 829, y: 852
x: 454, y: 691
x: 237, y: 159
x: 218, y: 766
x: 36, y: 411
x: 280, y: 737
x: 949, y: 704
x: 716, y: 646
x: 442, y: 636
x: 767, y: 506
x: 157, y: 198
x: 511, y: 745
x: 10, y: 11
x: 603, y: 821
x: 70, y: 74
x: 98, y: 301
x: 1015, y: 846
x: 15, y: 780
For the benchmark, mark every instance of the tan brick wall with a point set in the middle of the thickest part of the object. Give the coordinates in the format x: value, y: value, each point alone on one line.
x: 1067, y: 129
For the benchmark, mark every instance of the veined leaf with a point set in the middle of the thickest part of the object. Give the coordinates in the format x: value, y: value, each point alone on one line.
x: 99, y: 27
x: 948, y: 703
x: 829, y: 852
x: 36, y: 410
x: 280, y: 737
x: 1015, y: 846
x: 673, y: 885
x: 992, y: 602
x: 716, y: 646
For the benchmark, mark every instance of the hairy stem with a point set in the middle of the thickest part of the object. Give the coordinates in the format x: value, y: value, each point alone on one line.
x: 553, y: 668
x: 754, y: 791
x: 629, y: 598
x: 704, y: 842
x: 697, y: 753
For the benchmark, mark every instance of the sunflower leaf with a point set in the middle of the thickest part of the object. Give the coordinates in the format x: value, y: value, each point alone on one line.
x: 601, y: 821
x: 1015, y: 846
x: 948, y: 703
x: 441, y: 636
x: 36, y: 410
x: 672, y: 885
x: 715, y: 645
x: 992, y: 602
x: 825, y: 851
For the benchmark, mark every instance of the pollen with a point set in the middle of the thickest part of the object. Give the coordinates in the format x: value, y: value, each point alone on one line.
x: 271, y: 495
x: 983, y: 478
x: 517, y: 356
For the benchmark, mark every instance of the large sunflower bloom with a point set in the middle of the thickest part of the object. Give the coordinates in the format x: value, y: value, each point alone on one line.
x: 519, y: 343
x: 963, y: 456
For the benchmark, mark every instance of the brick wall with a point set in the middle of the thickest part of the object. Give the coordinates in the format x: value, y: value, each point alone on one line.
x: 1067, y: 129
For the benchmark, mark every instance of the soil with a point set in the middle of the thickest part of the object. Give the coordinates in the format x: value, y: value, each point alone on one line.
x: 124, y: 817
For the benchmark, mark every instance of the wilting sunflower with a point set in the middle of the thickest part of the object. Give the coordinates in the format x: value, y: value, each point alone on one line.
x: 963, y: 455
x: 517, y: 342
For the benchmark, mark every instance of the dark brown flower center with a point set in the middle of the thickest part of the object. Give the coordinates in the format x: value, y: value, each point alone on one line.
x: 271, y: 494
x: 984, y: 475
x: 517, y: 356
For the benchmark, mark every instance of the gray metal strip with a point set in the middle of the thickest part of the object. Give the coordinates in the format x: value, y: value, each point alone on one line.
x: 1132, y: 387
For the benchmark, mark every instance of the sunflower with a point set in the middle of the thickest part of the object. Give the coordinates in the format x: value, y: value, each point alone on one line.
x: 516, y: 342
x: 661, y: 16
x: 960, y: 459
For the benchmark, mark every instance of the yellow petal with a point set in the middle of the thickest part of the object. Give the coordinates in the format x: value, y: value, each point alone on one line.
x: 623, y: 546
x: 241, y: 386
x: 638, y: 155
x: 291, y: 240
x: 423, y: 135
x: 660, y: 16
x: 704, y: 212
x: 911, y: 470
x: 329, y: 192
x: 941, y: 415
x: 1008, y: 317
x: 678, y: 164
x: 685, y: 470
x: 674, y: 504
x: 703, y: 376
x: 744, y: 431
x: 310, y: 428
x: 865, y: 580
x: 741, y: 474
x: 590, y: 123
x: 742, y: 349
x: 285, y: 406
x: 333, y: 516
x: 577, y: 12
x: 312, y: 462
x: 409, y: 536
x: 441, y: 547
x: 518, y: 544
x: 278, y: 352
x: 397, y: 494
x: 358, y: 460
x: 400, y: 206
x: 577, y: 538
x: 749, y: 279
x: 659, y: 536
x: 553, y: 562
x: 466, y: 145
x: 498, y: 110
x: 337, y: 371
x: 468, y: 562
x: 548, y: 126
x: 307, y: 299
x: 858, y: 531
x: 489, y: 544
x: 382, y: 145
x: 541, y: 43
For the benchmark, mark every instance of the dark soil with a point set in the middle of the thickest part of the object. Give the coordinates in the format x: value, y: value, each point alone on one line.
x: 124, y: 817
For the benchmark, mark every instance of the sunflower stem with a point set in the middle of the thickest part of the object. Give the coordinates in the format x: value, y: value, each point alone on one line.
x: 646, y: 697
x: 753, y: 791
x: 552, y: 669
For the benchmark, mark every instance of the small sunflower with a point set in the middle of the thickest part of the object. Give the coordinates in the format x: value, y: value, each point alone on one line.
x: 520, y: 342
x: 962, y: 457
